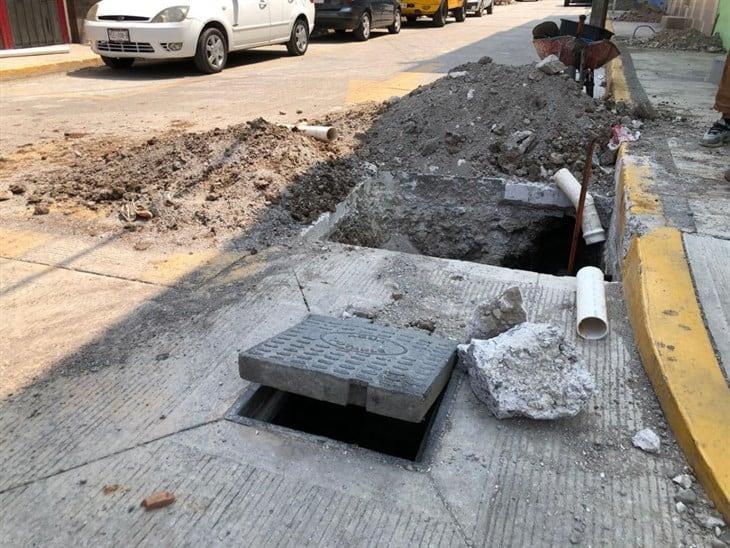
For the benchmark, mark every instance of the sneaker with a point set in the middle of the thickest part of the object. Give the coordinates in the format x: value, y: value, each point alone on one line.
x: 717, y: 135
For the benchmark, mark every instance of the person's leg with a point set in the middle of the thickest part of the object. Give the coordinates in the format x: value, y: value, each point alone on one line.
x: 719, y: 133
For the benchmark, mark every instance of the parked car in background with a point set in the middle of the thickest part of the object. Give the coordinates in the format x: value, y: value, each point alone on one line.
x: 359, y: 16
x: 478, y: 7
x: 121, y: 31
x: 438, y: 10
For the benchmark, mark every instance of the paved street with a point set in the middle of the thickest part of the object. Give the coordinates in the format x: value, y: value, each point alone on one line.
x: 264, y: 82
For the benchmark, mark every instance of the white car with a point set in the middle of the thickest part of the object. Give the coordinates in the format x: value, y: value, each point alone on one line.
x: 206, y: 30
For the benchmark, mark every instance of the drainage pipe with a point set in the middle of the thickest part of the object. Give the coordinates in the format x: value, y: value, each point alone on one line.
x: 323, y: 133
x: 592, y: 318
x: 593, y: 232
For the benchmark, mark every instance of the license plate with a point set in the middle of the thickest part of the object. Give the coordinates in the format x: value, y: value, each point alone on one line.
x: 118, y: 35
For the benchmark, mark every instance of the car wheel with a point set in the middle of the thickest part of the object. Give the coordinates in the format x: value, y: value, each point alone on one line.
x: 411, y: 18
x: 299, y: 39
x: 212, y: 53
x: 118, y: 63
x: 567, y: 3
x: 490, y: 7
x: 460, y: 13
x: 480, y: 10
x: 362, y: 32
x: 395, y: 27
x: 439, y: 18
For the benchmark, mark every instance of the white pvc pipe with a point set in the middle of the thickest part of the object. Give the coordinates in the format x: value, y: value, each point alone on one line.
x: 593, y: 232
x: 592, y: 318
x: 323, y: 133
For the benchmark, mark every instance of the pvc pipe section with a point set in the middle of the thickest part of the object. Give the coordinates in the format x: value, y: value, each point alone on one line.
x: 592, y: 320
x: 323, y: 133
x: 593, y: 232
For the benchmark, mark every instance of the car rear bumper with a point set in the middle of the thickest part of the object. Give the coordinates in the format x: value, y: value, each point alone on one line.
x: 342, y: 19
x: 419, y: 7
x: 146, y: 40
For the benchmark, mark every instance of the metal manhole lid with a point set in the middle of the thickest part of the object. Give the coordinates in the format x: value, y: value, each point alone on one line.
x: 398, y: 373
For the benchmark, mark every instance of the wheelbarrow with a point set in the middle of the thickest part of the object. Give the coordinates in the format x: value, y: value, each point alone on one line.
x: 583, y: 48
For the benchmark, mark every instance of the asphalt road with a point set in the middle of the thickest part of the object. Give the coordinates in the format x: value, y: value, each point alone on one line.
x: 266, y: 82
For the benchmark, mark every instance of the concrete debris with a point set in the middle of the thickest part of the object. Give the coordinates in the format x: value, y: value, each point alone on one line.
x: 41, y: 209
x: 529, y: 371
x: 158, y: 500
x: 551, y: 65
x: 111, y: 488
x: 497, y: 316
x: 685, y: 480
x: 5, y: 195
x: 647, y: 440
x: 17, y: 188
x: 686, y: 496
x: 457, y: 74
x: 359, y: 312
x: 709, y: 522
x: 681, y: 508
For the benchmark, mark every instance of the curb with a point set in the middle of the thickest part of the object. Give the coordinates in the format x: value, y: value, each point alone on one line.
x: 667, y: 320
x: 50, y: 68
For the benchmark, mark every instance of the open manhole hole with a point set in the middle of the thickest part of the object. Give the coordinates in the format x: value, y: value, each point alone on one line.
x: 510, y: 223
x: 350, y: 380
x: 350, y: 424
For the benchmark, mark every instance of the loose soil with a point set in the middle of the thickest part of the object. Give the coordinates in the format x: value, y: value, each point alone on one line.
x: 690, y: 40
x: 256, y: 184
x: 493, y: 119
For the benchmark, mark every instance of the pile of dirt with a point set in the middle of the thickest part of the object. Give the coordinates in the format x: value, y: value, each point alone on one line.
x: 691, y: 40
x: 641, y: 14
x: 490, y: 119
x: 223, y: 179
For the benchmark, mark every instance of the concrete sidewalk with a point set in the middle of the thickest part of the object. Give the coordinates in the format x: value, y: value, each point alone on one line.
x: 674, y: 249
x: 79, y: 56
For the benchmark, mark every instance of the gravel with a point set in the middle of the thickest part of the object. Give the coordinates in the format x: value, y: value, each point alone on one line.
x: 691, y: 40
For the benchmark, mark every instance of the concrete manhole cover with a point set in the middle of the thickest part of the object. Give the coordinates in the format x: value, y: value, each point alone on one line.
x: 392, y: 372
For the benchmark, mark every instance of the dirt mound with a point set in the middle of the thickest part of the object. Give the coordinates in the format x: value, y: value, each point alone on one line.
x: 691, y: 40
x: 641, y: 14
x: 486, y: 118
x: 220, y: 179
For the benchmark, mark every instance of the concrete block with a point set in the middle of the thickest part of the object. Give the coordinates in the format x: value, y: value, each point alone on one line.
x: 398, y: 373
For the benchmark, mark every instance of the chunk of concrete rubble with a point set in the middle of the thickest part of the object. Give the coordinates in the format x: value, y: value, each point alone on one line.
x: 551, y: 65
x: 494, y: 317
x: 709, y: 522
x: 529, y: 371
x: 647, y: 440
x: 685, y: 480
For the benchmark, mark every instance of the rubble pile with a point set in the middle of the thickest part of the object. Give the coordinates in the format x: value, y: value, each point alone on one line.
x: 642, y: 13
x: 690, y: 40
x: 220, y: 179
x: 491, y: 119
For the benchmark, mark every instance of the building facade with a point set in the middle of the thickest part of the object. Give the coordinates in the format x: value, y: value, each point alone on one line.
x: 33, y: 24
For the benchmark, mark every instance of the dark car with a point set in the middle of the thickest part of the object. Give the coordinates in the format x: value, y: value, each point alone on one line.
x: 359, y: 16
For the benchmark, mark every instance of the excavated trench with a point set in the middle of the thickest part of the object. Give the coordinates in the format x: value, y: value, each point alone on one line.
x: 504, y: 222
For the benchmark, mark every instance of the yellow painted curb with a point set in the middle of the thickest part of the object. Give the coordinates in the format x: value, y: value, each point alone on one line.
x: 50, y: 68
x: 678, y: 356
